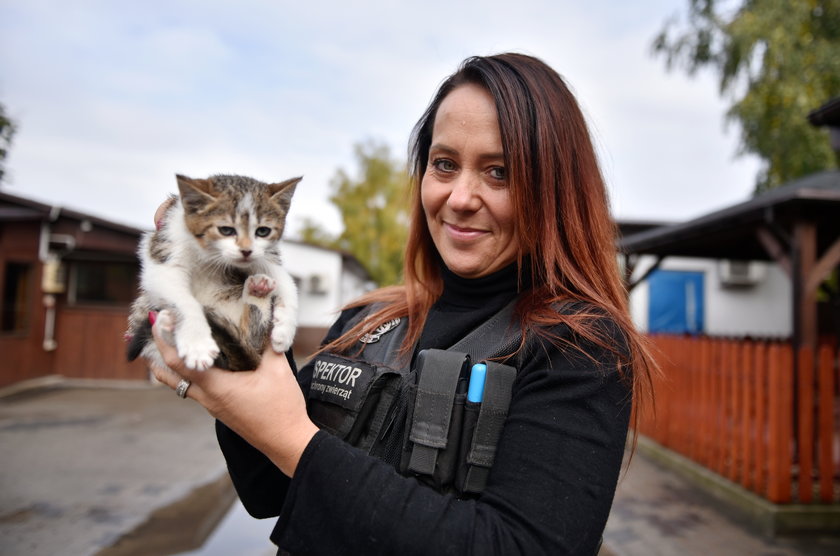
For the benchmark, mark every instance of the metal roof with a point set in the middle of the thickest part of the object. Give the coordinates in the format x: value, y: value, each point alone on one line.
x: 16, y: 208
x: 730, y: 233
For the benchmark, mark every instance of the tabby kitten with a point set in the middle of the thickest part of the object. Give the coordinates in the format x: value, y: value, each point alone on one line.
x: 215, y: 264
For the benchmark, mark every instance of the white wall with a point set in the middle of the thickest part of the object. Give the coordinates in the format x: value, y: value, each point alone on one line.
x: 353, y: 286
x: 304, y: 261
x: 760, y: 310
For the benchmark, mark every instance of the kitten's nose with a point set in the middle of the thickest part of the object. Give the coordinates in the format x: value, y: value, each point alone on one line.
x: 245, y: 253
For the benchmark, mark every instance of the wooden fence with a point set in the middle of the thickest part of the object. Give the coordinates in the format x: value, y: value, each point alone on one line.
x: 742, y: 410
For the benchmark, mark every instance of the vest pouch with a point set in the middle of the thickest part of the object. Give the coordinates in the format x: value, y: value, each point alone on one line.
x: 446, y: 464
x: 435, y: 421
x: 471, y: 410
x: 483, y: 424
x: 385, y: 437
x: 344, y: 394
x: 388, y: 444
x: 447, y: 460
x: 405, y: 426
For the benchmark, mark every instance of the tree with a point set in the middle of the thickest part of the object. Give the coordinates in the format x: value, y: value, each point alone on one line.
x: 312, y: 232
x: 777, y: 60
x: 7, y: 130
x: 374, y: 209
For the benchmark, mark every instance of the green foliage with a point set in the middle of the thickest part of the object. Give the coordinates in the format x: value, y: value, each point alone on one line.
x: 374, y: 209
x: 311, y: 232
x: 7, y: 130
x: 777, y: 60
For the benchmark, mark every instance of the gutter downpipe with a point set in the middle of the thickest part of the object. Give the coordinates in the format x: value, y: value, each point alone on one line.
x: 50, y: 261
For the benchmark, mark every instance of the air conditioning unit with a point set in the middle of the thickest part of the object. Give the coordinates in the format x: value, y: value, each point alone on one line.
x: 740, y: 274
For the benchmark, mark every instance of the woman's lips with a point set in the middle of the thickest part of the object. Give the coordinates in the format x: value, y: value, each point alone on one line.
x: 461, y: 233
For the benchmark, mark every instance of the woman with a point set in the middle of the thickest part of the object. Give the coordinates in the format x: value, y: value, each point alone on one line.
x: 508, y: 205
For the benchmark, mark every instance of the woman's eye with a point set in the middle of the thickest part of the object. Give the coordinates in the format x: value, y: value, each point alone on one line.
x: 444, y: 165
x: 263, y: 231
x: 498, y: 172
x: 227, y: 230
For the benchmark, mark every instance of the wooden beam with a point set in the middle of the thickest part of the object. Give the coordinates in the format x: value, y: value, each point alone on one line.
x: 647, y: 273
x: 629, y: 267
x: 827, y: 263
x: 774, y: 249
x: 805, y: 300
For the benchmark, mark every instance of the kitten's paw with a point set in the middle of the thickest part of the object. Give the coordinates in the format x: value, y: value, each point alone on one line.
x: 198, y: 353
x: 260, y: 285
x: 282, y: 336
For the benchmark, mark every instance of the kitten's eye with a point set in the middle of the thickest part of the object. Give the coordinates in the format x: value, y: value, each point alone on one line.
x: 227, y: 230
x: 263, y: 231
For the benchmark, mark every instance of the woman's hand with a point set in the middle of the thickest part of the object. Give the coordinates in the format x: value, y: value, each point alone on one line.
x: 265, y: 407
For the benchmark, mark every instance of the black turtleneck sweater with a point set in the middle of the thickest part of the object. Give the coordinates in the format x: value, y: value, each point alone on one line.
x: 465, y: 304
x: 550, y: 489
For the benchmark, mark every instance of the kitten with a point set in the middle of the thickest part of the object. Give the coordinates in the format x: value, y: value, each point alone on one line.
x: 215, y: 264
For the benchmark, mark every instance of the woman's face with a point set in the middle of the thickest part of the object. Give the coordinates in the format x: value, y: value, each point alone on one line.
x: 465, y: 192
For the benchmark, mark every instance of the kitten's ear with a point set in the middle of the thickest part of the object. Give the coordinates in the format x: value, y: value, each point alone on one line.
x: 282, y: 192
x: 195, y: 193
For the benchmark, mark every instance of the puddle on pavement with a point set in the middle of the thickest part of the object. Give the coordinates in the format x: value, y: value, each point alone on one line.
x: 238, y: 533
x: 210, y: 521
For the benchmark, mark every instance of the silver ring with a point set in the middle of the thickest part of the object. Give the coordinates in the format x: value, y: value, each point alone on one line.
x: 183, y: 386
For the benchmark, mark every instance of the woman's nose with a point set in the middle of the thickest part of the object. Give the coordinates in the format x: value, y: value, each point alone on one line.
x: 464, y: 195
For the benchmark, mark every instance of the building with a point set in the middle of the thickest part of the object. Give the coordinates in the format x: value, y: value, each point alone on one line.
x: 327, y: 279
x: 753, y: 269
x: 67, y: 280
x: 754, y: 419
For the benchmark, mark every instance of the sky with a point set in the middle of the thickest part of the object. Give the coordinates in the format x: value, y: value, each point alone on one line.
x: 112, y: 99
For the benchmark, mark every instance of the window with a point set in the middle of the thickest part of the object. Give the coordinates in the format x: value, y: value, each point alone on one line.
x: 103, y: 283
x: 17, y: 287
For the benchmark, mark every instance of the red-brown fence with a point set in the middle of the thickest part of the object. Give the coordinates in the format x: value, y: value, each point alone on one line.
x: 742, y: 409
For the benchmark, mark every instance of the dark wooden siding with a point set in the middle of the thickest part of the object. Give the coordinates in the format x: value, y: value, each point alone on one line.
x: 91, y: 345
x: 21, y: 353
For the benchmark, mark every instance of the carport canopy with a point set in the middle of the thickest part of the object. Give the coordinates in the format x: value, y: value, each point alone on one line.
x: 796, y: 226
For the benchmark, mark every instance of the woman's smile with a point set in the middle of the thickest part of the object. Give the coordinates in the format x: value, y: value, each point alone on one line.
x: 464, y: 233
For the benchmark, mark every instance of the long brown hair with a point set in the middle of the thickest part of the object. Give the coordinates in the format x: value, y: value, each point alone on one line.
x: 565, y: 232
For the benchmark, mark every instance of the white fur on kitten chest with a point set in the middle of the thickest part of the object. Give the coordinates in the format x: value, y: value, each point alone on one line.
x: 191, y: 275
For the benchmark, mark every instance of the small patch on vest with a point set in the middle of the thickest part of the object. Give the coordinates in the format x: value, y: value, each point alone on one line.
x: 341, y: 381
x: 373, y: 337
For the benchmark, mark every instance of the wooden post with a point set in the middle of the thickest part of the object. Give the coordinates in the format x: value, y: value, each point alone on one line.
x: 706, y: 401
x: 780, y: 421
x: 804, y: 298
x: 826, y: 418
x: 747, y: 386
x: 760, y: 391
x: 720, y: 411
x: 806, y: 423
x: 786, y: 383
x: 733, y: 416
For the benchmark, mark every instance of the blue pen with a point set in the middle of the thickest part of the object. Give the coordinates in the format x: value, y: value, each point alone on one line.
x: 477, y: 376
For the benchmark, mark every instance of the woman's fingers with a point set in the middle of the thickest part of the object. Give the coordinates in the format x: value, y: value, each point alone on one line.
x: 165, y: 375
x: 174, y: 372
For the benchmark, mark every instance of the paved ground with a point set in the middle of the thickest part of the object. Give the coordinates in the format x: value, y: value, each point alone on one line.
x: 658, y: 513
x: 85, y: 468
x: 80, y: 467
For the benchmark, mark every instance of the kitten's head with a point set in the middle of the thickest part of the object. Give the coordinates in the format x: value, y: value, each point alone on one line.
x: 237, y: 220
